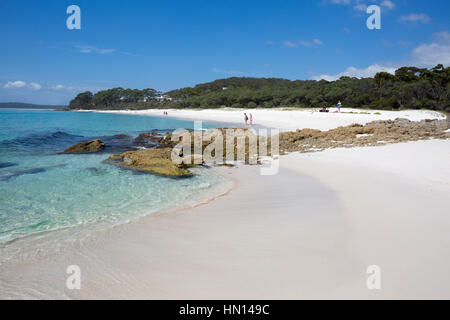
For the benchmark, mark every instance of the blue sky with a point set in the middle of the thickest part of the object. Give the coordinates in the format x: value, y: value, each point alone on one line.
x: 172, y: 44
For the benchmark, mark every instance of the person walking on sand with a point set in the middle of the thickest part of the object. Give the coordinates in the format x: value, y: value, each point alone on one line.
x: 245, y: 119
x: 339, y: 105
x: 251, y: 120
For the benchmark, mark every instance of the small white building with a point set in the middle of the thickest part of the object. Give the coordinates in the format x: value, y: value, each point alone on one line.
x: 164, y: 97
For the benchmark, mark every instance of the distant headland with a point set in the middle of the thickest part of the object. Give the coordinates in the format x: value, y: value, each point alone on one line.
x: 21, y: 105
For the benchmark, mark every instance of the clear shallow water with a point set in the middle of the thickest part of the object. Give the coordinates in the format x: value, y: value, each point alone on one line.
x: 42, y: 190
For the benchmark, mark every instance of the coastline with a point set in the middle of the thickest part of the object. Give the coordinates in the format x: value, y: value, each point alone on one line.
x: 50, y: 243
x: 322, y: 220
x: 149, y: 258
x: 225, y: 159
x: 308, y: 232
x: 286, y: 120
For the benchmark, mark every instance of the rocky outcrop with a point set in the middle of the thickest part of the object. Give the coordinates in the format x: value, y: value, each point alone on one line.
x: 148, y: 140
x: 159, y: 161
x: 156, y: 161
x: 86, y: 147
x: 372, y: 134
x: 154, y: 140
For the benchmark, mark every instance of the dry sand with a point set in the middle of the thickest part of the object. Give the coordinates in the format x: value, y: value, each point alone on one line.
x: 308, y: 232
x: 290, y: 120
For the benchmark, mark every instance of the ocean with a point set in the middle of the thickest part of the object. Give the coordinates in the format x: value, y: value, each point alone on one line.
x: 43, y: 191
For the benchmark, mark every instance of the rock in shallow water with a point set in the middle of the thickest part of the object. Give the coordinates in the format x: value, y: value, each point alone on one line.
x: 86, y: 147
x: 7, y: 164
x: 156, y: 161
x: 154, y: 139
x: 17, y: 173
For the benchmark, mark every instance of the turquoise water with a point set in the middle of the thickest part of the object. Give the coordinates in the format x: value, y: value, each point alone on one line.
x: 42, y: 190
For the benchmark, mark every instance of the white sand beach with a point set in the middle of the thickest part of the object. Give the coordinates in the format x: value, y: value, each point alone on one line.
x: 290, y: 120
x: 309, y: 231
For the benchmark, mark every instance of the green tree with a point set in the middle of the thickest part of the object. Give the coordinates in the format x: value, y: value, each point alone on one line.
x: 82, y: 100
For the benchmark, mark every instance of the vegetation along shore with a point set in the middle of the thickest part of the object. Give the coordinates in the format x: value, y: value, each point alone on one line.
x: 408, y: 88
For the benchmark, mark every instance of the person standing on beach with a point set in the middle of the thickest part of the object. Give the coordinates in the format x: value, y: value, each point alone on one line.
x: 251, y: 120
x: 245, y: 119
x: 339, y: 105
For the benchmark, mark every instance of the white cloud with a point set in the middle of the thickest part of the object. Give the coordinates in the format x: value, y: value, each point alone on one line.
x: 91, y: 49
x: 62, y: 87
x: 22, y: 84
x: 388, y: 4
x: 443, y: 36
x: 346, y: 2
x: 357, y: 73
x: 268, y: 42
x: 360, y: 7
x: 34, y: 86
x: 318, y: 42
x: 303, y: 43
x: 290, y: 44
x: 130, y: 54
x: 14, y: 84
x: 432, y: 54
x: 425, y: 55
x: 416, y: 17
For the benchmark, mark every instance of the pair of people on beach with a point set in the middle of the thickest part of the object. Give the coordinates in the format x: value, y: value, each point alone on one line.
x: 338, y: 105
x: 246, y: 119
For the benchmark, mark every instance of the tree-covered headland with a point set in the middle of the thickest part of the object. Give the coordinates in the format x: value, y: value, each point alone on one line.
x: 409, y: 88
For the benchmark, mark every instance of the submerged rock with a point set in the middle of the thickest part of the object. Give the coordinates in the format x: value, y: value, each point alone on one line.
x: 97, y: 171
x: 148, y: 139
x: 154, y: 139
x: 7, y: 164
x: 156, y: 161
x: 86, y: 147
x: 118, y: 143
x: 22, y: 172
x: 17, y: 173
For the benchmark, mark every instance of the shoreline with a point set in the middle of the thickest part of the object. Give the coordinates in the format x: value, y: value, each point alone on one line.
x: 308, y: 232
x: 285, y: 120
x: 91, y: 230
x: 138, y: 241
x: 323, y: 219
